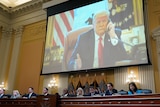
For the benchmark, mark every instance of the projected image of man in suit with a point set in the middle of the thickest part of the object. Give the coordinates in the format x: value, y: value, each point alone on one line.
x: 99, y: 47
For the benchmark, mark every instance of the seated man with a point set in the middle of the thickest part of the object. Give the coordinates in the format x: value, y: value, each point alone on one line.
x: 30, y: 94
x: 110, y: 90
x: 45, y: 91
x: 2, y: 93
x: 99, y: 47
x: 92, y: 91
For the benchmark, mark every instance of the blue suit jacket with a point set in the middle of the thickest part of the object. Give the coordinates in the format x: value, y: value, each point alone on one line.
x: 137, y: 92
x: 85, y: 48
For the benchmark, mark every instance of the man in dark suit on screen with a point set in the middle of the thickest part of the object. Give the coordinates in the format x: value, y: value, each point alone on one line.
x: 99, y: 47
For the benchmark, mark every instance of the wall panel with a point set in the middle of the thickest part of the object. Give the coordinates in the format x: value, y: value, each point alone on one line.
x: 146, y: 79
x: 153, y: 22
x: 120, y: 75
x: 30, y: 60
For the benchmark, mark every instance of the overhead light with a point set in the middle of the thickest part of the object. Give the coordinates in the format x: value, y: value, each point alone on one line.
x: 19, y: 2
x: 52, y: 83
x: 2, y: 85
x: 132, y: 77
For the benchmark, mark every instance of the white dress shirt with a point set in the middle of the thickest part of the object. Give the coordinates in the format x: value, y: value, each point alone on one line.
x: 113, y: 39
x: 29, y: 95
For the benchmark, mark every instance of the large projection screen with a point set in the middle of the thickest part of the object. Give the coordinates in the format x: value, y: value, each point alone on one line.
x: 72, y: 42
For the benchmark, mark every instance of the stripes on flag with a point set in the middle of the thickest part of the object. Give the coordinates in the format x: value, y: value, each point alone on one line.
x: 62, y: 25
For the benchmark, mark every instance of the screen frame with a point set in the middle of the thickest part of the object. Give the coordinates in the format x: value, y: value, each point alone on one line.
x: 72, y: 4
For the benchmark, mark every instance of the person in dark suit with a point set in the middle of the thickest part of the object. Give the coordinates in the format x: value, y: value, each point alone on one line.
x: 45, y: 91
x: 30, y: 94
x: 2, y: 92
x: 101, y: 37
x: 110, y: 90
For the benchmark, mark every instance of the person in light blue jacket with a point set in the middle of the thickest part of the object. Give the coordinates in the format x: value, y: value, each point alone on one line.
x: 133, y: 89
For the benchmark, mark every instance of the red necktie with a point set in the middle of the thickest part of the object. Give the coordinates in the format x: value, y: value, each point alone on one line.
x: 100, y: 52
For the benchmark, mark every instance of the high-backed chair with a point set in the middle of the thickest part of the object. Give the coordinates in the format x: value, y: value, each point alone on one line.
x: 146, y: 91
x: 122, y: 92
x: 70, y: 42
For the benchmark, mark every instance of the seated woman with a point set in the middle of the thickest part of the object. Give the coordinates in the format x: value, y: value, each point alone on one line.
x: 110, y: 90
x: 80, y: 92
x: 133, y: 89
x: 15, y: 94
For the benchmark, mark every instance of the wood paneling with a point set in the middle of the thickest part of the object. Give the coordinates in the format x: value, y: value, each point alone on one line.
x: 112, y: 101
x: 40, y: 101
x: 30, y: 60
x: 0, y: 34
x: 153, y: 22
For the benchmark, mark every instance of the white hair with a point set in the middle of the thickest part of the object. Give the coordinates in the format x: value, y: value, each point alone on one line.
x: 80, y: 89
x: 104, y: 12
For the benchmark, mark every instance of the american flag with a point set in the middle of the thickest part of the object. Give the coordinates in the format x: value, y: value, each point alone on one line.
x: 62, y: 25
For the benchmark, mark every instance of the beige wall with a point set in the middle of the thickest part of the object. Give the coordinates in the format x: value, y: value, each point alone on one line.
x: 0, y: 34
x: 21, y: 56
x: 5, y: 53
x: 154, y: 22
x: 30, y: 58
